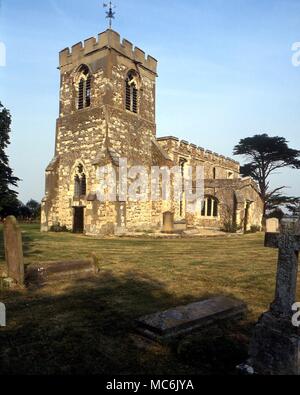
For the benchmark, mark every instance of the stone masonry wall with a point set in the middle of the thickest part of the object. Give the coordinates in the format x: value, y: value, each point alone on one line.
x: 82, y: 136
x: 194, y: 155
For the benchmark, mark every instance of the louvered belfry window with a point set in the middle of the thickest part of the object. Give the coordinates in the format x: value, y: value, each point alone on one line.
x: 88, y: 92
x: 84, y: 88
x: 131, y: 92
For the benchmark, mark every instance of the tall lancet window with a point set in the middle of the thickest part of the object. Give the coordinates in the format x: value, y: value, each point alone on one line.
x: 84, y: 88
x: 77, y: 186
x: 79, y: 182
x: 132, y: 92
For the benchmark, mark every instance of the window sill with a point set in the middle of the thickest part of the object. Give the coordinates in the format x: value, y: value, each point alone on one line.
x: 83, y: 109
x: 132, y: 113
x: 78, y: 198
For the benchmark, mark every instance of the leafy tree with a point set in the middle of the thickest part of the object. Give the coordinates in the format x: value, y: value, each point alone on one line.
x: 24, y: 212
x: 8, y: 197
x: 266, y: 155
x: 294, y: 206
x: 279, y: 202
x: 34, y: 209
x: 277, y: 213
x: 10, y: 206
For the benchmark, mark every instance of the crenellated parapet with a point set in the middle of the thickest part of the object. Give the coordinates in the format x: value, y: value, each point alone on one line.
x: 106, y: 40
x: 185, y: 148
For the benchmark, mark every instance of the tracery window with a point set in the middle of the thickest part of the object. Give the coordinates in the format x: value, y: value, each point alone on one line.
x: 79, y: 182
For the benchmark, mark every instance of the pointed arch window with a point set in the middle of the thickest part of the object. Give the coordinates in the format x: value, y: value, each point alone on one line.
x: 83, y: 185
x: 77, y: 186
x: 80, y: 182
x: 132, y: 92
x: 84, y: 88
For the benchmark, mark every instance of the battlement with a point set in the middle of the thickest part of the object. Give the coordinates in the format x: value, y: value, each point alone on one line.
x: 106, y: 40
x: 199, y: 152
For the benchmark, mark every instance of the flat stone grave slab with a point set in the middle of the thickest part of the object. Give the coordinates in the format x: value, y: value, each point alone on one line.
x: 185, y: 319
x: 52, y: 272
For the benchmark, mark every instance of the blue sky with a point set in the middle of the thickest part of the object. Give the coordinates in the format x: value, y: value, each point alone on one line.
x: 225, y: 71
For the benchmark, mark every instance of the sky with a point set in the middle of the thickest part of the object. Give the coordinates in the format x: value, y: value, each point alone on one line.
x: 225, y: 72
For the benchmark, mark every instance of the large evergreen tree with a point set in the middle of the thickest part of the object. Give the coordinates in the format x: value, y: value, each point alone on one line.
x: 294, y: 206
x: 265, y: 156
x: 8, y: 196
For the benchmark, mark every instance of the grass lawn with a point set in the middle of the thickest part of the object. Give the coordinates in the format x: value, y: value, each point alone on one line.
x: 88, y: 326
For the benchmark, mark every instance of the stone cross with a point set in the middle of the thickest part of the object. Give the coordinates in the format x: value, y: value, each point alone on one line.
x: 275, y: 344
x: 288, y: 243
x: 14, y: 250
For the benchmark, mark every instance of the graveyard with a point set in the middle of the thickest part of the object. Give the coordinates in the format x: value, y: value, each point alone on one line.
x: 88, y: 325
x: 149, y: 203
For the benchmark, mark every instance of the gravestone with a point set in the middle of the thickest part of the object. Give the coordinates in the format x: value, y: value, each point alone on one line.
x: 272, y: 225
x: 186, y: 319
x: 14, y: 250
x: 291, y: 225
x: 168, y: 222
x: 275, y: 346
x: 45, y: 273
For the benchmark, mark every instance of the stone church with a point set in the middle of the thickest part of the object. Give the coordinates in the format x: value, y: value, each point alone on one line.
x: 107, y: 112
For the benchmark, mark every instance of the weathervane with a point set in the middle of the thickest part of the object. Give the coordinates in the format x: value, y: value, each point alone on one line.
x: 110, y: 14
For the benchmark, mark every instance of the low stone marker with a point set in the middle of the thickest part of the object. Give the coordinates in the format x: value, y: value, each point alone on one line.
x: 180, y: 226
x: 272, y: 225
x: 185, y: 319
x: 168, y: 225
x: 14, y: 250
x: 45, y: 273
x: 275, y: 346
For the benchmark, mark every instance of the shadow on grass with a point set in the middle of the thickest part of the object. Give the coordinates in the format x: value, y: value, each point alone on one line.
x: 28, y: 244
x: 87, y: 327
x: 27, y: 240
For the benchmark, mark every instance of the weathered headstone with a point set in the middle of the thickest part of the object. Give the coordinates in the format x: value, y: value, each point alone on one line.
x: 168, y: 222
x: 290, y: 225
x: 14, y: 250
x: 272, y: 225
x: 275, y: 346
x: 185, y: 319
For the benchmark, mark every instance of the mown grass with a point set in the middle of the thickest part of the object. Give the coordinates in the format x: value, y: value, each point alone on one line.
x: 88, y: 326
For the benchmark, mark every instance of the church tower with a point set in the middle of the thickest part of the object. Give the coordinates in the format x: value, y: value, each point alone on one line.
x: 106, y: 112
